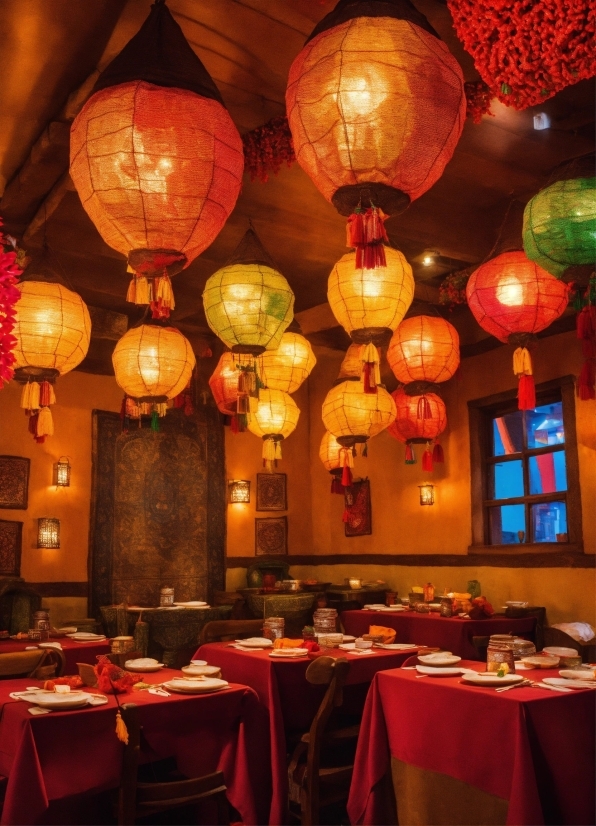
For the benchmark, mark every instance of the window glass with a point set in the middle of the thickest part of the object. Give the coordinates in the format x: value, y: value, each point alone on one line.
x: 549, y: 522
x: 548, y: 472
x: 507, y: 480
x: 544, y: 426
x: 508, y: 434
x: 507, y: 524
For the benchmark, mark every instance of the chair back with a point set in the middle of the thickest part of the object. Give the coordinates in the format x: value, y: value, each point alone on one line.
x: 332, y: 672
x: 39, y: 663
x: 219, y: 630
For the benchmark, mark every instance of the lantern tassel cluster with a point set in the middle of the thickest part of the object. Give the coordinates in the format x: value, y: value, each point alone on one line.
x: 36, y: 398
x: 371, y: 367
x: 366, y: 235
x: 156, y: 292
x: 522, y: 367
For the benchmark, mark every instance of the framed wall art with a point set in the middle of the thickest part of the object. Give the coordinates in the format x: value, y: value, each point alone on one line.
x: 359, y: 518
x: 271, y: 535
x: 14, y: 482
x: 272, y: 494
x: 10, y: 547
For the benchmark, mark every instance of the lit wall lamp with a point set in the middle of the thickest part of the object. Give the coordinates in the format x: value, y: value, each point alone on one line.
x: 48, y: 532
x: 427, y: 494
x: 238, y: 491
x: 62, y: 472
x: 429, y: 257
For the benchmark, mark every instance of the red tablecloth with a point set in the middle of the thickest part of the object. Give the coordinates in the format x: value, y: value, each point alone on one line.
x: 74, y: 652
x: 290, y: 701
x: 61, y: 754
x: 449, y: 633
x: 532, y: 747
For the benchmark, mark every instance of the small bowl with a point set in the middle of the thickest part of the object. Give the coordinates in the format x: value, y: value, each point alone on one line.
x: 363, y: 644
x: 539, y: 661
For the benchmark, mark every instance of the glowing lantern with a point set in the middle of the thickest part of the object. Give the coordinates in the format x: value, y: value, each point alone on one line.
x: 224, y: 381
x: 354, y: 416
x: 288, y: 366
x: 411, y: 427
x: 153, y: 364
x: 424, y: 349
x: 274, y: 419
x: 512, y: 298
x: 248, y: 303
x: 338, y: 461
x: 156, y: 158
x: 375, y: 105
x: 53, y: 330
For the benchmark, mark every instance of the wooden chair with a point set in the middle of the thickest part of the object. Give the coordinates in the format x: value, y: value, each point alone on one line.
x: 39, y: 664
x: 220, y: 630
x: 136, y: 800
x: 320, y: 770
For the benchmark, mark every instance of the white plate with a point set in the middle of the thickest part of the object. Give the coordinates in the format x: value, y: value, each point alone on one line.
x: 292, y: 653
x: 348, y: 646
x: 200, y: 686
x: 439, y: 659
x: 390, y: 609
x: 201, y: 670
x: 255, y: 642
x: 198, y: 662
x: 191, y: 604
x: 95, y: 639
x: 142, y: 665
x: 375, y: 606
x: 516, y: 603
x: 560, y: 681
x: 69, y: 629
x: 397, y: 646
x: 84, y: 635
x: 50, y: 645
x: 439, y: 672
x: 48, y: 699
x: 490, y: 680
x: 584, y: 674
x: 348, y: 638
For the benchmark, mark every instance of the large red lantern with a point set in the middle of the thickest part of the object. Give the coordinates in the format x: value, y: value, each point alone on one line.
x: 512, y: 298
x: 412, y: 427
x: 376, y: 106
x: 156, y: 158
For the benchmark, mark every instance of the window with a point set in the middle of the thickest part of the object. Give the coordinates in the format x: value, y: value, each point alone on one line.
x: 525, y: 478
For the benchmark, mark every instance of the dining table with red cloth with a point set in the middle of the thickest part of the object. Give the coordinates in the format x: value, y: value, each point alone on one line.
x: 290, y: 701
x: 57, y: 756
x: 531, y: 747
x: 74, y: 652
x: 448, y: 633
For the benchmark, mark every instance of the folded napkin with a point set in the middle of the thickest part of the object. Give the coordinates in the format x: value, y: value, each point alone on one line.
x: 388, y: 634
x: 285, y: 642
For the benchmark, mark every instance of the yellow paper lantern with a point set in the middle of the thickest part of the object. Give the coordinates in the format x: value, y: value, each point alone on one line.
x: 288, y: 366
x: 274, y: 419
x: 351, y: 366
x: 338, y: 461
x: 370, y: 304
x: 354, y: 416
x: 153, y: 363
x: 248, y: 303
x: 329, y: 452
x: 424, y: 348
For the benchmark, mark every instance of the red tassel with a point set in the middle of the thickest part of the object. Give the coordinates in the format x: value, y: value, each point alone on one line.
x: 346, y: 477
x: 45, y: 395
x: 586, y: 325
x: 33, y: 424
x: 526, y: 393
x: 345, y: 515
x: 424, y: 411
x: 234, y: 425
x: 368, y: 372
x: 588, y: 348
x: 336, y: 485
x: 366, y: 234
x: 438, y: 455
x: 587, y: 380
x: 355, y: 230
x: 410, y: 457
x: 427, y: 460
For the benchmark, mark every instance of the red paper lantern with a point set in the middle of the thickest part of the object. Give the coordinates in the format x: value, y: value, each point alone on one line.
x: 512, y: 298
x: 419, y: 419
x: 156, y: 158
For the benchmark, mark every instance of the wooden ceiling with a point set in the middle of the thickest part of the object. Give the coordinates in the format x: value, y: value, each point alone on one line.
x: 50, y: 57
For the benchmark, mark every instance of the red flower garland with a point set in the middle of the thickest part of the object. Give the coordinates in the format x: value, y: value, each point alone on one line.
x: 478, y: 98
x: 528, y: 50
x: 452, y: 290
x: 9, y: 295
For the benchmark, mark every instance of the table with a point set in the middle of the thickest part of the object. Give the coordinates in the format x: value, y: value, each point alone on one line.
x: 448, y: 633
x: 55, y: 756
x: 523, y: 757
x: 290, y: 702
x: 74, y: 652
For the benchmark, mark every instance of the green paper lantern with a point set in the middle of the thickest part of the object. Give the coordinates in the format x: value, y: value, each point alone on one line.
x: 560, y: 226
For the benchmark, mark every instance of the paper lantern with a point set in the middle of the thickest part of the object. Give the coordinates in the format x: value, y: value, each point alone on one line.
x: 354, y: 416
x: 275, y: 418
x: 156, y: 158
x: 512, y: 298
x: 289, y: 366
x: 248, y: 303
x: 224, y: 381
x: 375, y: 104
x: 419, y: 419
x: 424, y: 348
x: 153, y: 364
x: 560, y: 226
x: 338, y: 461
x: 52, y: 332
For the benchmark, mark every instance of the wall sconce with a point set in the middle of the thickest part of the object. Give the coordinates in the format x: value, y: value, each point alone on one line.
x: 427, y: 494
x: 238, y: 491
x: 48, y: 532
x: 62, y: 472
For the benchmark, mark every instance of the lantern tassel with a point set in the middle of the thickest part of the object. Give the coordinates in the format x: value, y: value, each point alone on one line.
x: 371, y: 370
x: 46, y: 394
x: 366, y: 234
x: 427, y: 459
x: 347, y: 463
x: 410, y: 455
x: 139, y: 290
x: 121, y: 730
x: 155, y: 420
x: 423, y: 410
x: 45, y: 423
x: 438, y: 455
x: 522, y: 367
x: 336, y: 485
x: 163, y: 297
x: 270, y: 454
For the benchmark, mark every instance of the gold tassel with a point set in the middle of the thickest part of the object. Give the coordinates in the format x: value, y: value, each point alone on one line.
x: 346, y: 457
x: 52, y: 395
x: 45, y: 423
x: 139, y: 291
x: 269, y: 454
x: 277, y: 451
x: 121, y: 730
x: 165, y: 294
x: 370, y: 355
x: 33, y: 396
x: 26, y: 396
x: 162, y: 409
x: 522, y: 362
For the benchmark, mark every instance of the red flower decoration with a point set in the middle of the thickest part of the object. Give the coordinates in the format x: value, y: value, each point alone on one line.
x: 267, y: 147
x: 9, y: 295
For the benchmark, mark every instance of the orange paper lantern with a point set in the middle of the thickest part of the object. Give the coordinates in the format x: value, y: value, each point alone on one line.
x: 424, y: 348
x: 156, y: 158
x: 375, y: 104
x: 224, y: 381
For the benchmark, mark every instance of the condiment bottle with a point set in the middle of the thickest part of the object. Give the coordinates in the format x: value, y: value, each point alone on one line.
x: 429, y: 592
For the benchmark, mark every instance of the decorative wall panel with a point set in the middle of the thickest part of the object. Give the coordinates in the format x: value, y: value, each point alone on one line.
x: 14, y: 482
